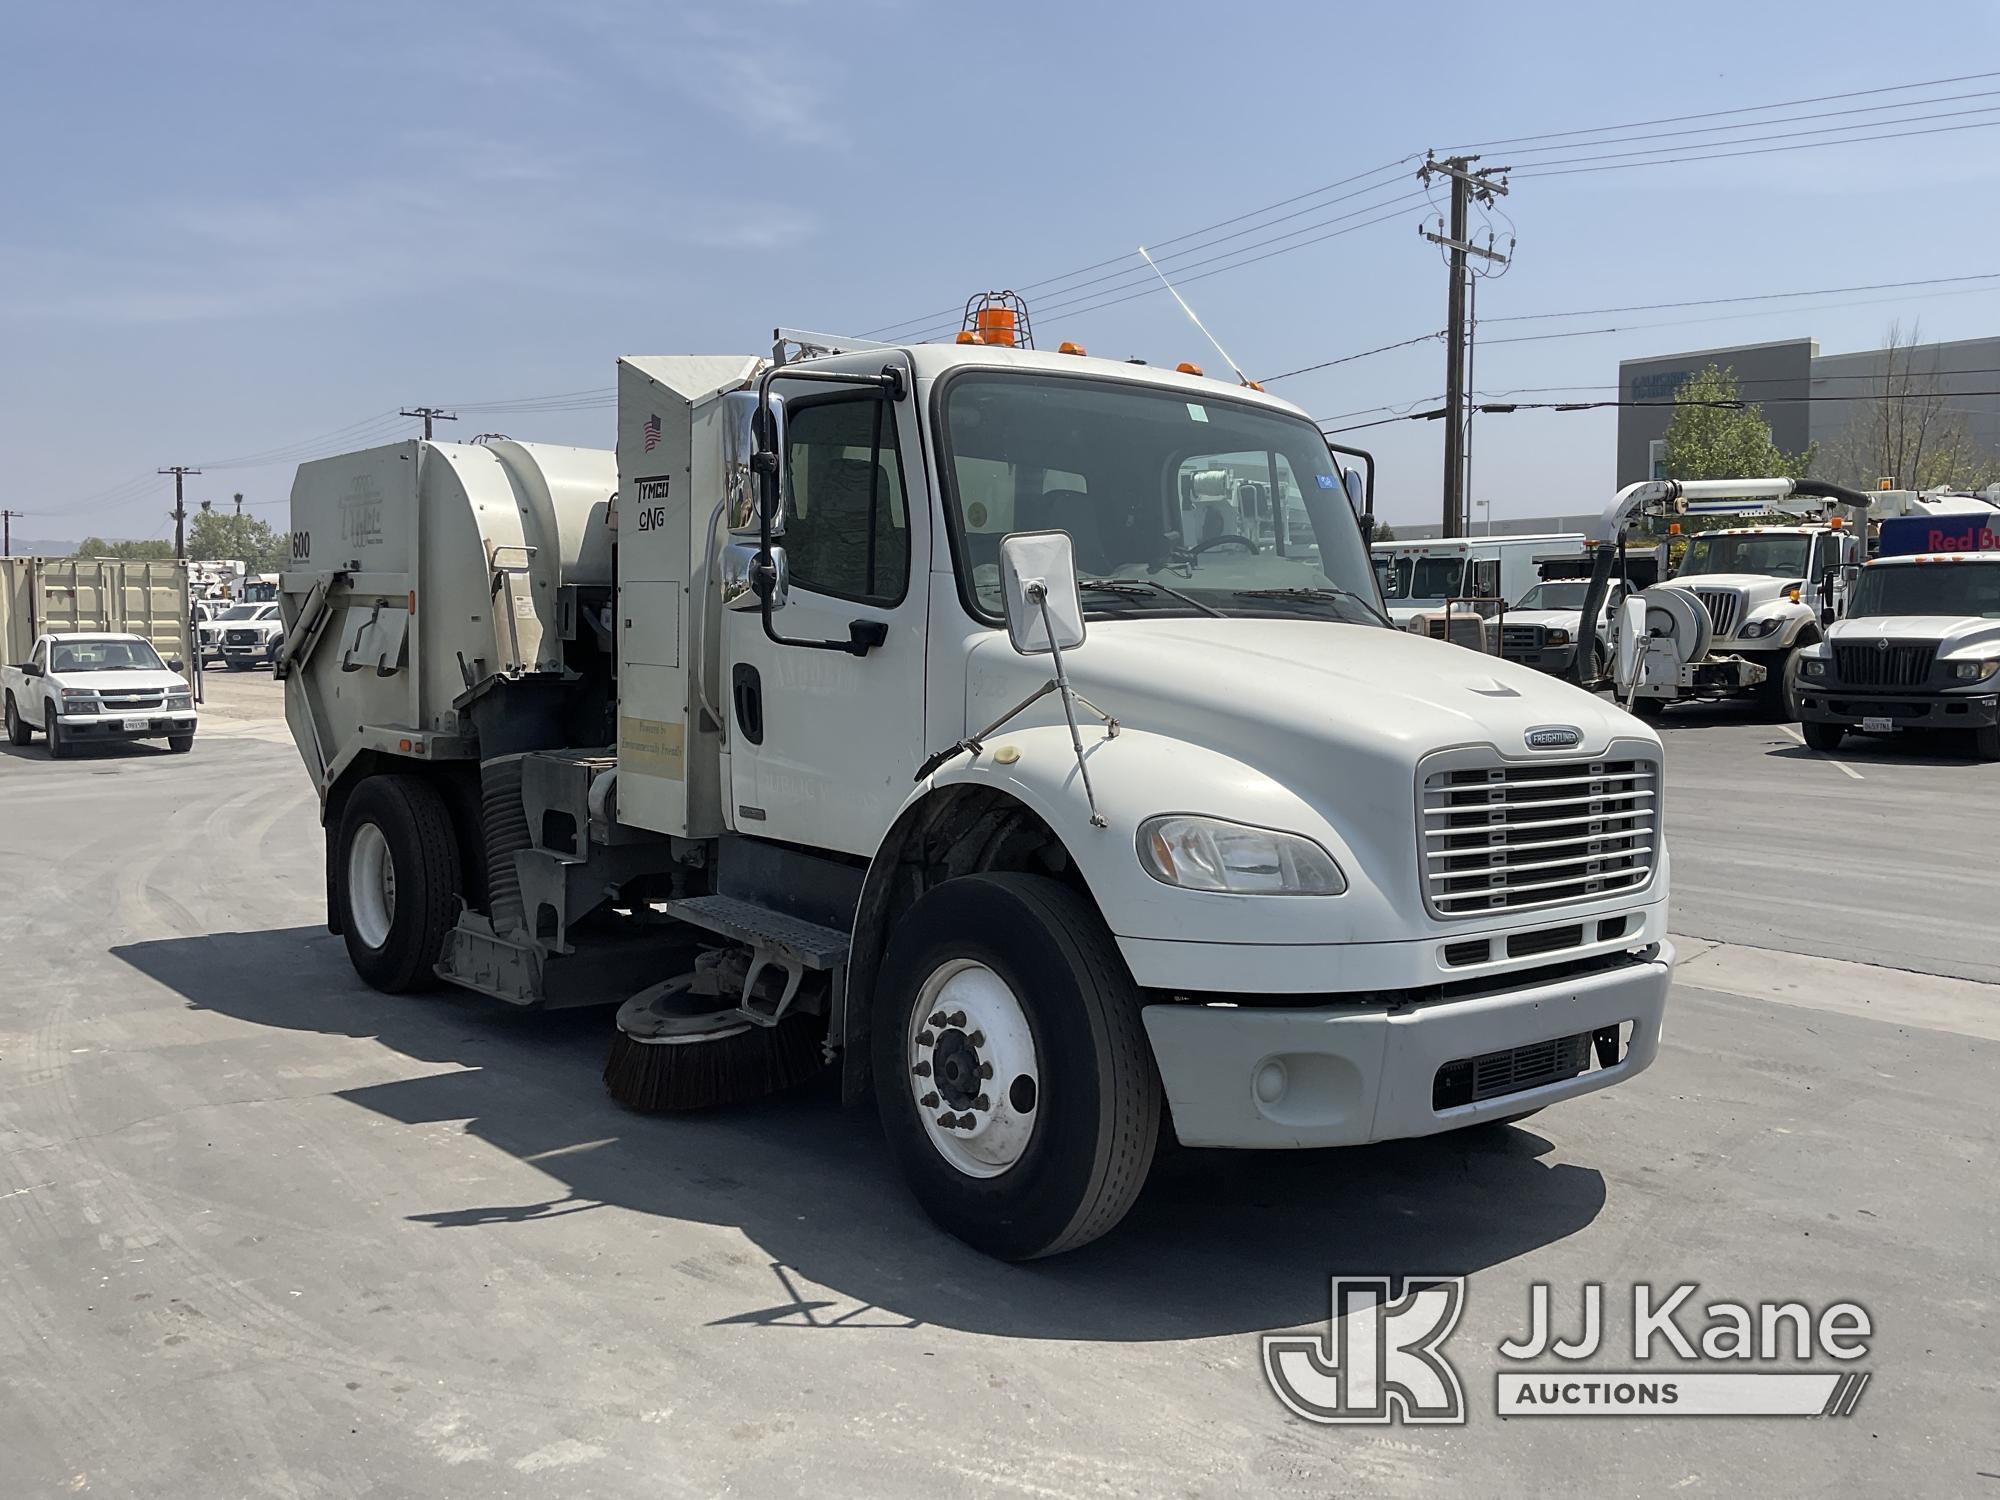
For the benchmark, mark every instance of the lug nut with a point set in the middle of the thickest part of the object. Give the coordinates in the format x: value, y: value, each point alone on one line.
x: 978, y: 1039
x: 948, y: 1120
x: 985, y: 1070
x: 966, y: 1121
x: 925, y: 1039
x: 937, y: 1019
x: 921, y: 1070
x: 956, y: 1018
x: 982, y: 1104
x: 929, y: 1101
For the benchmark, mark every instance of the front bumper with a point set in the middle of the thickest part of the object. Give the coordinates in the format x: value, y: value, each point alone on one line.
x: 1553, y: 659
x: 147, y: 724
x: 1910, y: 708
x: 1272, y: 1078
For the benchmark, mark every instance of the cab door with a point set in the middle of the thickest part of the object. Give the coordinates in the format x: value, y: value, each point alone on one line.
x: 824, y: 744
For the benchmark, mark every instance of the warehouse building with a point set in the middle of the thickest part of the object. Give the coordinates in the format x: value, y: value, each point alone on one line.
x: 1794, y: 382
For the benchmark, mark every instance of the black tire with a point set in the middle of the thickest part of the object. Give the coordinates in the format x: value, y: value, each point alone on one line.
x: 19, y: 731
x: 180, y: 744
x: 423, y: 854
x: 238, y: 664
x: 1778, y: 693
x: 52, y: 732
x: 1986, y: 742
x: 1652, y: 710
x: 1823, y: 736
x: 1099, y: 1110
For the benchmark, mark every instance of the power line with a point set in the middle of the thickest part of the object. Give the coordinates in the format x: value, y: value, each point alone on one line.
x: 1542, y: 169
x: 1504, y: 408
x: 1894, y: 88
x: 1327, y: 364
x: 1535, y: 168
x: 1825, y: 291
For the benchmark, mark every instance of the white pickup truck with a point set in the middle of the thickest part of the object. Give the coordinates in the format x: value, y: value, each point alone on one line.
x: 86, y: 686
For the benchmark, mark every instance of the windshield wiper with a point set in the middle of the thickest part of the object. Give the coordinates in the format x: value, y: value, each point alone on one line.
x: 1325, y: 591
x: 1136, y: 586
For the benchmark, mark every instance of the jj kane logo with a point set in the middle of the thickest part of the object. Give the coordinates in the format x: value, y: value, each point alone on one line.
x: 1382, y: 1357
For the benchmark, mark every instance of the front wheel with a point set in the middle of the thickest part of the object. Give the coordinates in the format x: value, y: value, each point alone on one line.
x: 180, y: 744
x: 18, y: 731
x: 1652, y: 710
x: 1012, y: 1072
x: 1986, y: 742
x: 52, y: 732
x: 1823, y: 736
x: 1778, y: 693
x: 397, y: 885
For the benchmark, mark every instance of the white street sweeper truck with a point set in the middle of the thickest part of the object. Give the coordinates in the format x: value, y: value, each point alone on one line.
x: 883, y: 708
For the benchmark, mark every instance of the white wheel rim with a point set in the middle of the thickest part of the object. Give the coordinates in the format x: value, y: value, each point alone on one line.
x: 972, y: 1068
x: 371, y: 886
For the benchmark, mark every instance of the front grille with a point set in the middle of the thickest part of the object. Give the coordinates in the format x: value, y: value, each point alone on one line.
x: 1464, y: 630
x: 1520, y: 638
x: 1873, y: 666
x: 121, y: 701
x: 1471, y: 951
x: 1513, y: 837
x: 240, y: 637
x: 1722, y: 607
x: 1493, y: 1075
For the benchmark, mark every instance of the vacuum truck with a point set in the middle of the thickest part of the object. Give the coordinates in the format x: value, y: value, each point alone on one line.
x: 871, y: 710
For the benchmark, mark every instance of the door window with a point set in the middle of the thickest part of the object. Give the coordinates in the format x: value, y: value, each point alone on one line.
x: 847, y: 524
x: 1486, y: 578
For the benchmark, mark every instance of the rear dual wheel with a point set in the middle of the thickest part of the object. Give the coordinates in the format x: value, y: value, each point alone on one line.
x: 1012, y: 1072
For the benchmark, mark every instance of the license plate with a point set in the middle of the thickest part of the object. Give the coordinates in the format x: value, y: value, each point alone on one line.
x: 1877, y: 725
x: 138, y: 724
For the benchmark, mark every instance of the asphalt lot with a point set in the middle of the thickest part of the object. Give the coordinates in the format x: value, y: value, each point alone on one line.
x: 265, y: 1232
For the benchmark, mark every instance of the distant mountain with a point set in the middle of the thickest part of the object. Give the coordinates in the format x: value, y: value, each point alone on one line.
x: 29, y: 547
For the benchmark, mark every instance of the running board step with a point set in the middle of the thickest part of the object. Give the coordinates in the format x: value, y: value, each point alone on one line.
x: 774, y: 938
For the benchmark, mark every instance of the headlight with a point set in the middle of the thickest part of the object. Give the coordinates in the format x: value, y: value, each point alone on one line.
x: 1973, y: 671
x: 1556, y: 637
x: 1812, y: 666
x: 76, y: 700
x: 1209, y: 854
x: 180, y: 700
x: 1756, y: 630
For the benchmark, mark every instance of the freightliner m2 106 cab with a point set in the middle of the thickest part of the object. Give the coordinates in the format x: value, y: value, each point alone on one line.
x: 886, y: 717
x: 1919, y: 647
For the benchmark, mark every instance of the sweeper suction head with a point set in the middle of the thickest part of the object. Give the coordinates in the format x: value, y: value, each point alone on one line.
x: 679, y: 1049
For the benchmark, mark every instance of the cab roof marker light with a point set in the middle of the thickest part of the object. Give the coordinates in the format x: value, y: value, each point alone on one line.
x: 1188, y: 367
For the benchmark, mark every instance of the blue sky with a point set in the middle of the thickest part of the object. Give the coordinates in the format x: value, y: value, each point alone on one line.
x: 234, y: 228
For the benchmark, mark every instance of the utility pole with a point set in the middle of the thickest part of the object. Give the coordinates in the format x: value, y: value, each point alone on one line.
x: 7, y: 532
x: 430, y: 414
x: 179, y: 512
x: 1466, y: 186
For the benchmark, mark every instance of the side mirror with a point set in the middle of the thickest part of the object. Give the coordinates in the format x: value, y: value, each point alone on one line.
x: 34, y: 669
x: 1629, y: 642
x: 764, y: 485
x: 742, y: 576
x: 1357, y: 489
x: 175, y: 664
x: 1038, y: 586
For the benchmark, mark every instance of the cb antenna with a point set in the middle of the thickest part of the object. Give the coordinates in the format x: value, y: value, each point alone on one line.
x: 1240, y: 376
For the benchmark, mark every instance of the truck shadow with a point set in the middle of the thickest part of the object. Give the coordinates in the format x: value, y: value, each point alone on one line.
x: 1941, y: 748
x: 99, y: 750
x: 1222, y: 1242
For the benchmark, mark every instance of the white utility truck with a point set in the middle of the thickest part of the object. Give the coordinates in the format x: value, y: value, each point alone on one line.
x: 872, y: 708
x: 247, y: 635
x: 1747, y: 601
x: 1423, y: 577
x: 1919, y: 645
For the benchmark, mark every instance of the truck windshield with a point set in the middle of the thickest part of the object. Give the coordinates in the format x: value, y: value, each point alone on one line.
x: 1226, y: 507
x: 1778, y: 556
x: 1554, y: 596
x: 1435, y: 578
x: 104, y: 656
x: 1958, y: 589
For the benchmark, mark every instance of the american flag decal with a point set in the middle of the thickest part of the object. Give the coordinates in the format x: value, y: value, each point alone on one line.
x: 652, y: 432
